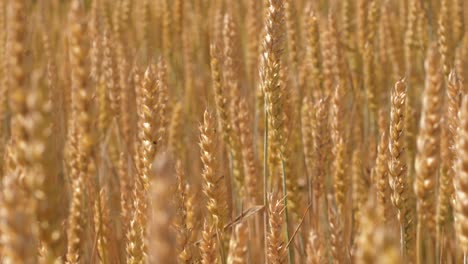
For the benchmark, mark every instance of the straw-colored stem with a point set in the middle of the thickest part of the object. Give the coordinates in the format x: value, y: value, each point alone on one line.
x: 419, y: 243
x: 402, y: 242
x: 286, y: 214
x: 265, y: 184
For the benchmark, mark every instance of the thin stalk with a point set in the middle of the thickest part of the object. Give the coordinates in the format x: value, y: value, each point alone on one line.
x: 402, y: 241
x: 428, y: 10
x: 439, y: 244
x: 465, y: 258
x: 437, y: 253
x: 233, y: 183
x: 286, y: 214
x: 265, y: 184
x: 221, y: 248
x: 309, y: 199
x: 326, y: 230
x: 301, y: 243
x: 104, y: 253
x: 419, y: 243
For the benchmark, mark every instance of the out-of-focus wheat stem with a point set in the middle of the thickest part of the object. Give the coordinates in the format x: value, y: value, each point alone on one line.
x: 443, y: 36
x: 448, y: 153
x: 253, y: 26
x: 81, y: 115
x: 410, y: 37
x: 247, y: 144
x: 175, y: 132
x: 232, y: 76
x: 315, y: 250
x: 286, y: 211
x: 339, y: 177
x: 125, y: 193
x: 110, y: 73
x: 265, y: 182
x: 458, y: 21
x: 337, y: 135
x: 369, y: 66
x: 3, y: 83
x: 162, y: 102
x: 427, y: 159
x: 222, y: 105
x: 321, y: 150
x: 167, y: 30
x: 101, y: 221
x: 375, y: 244
x: 359, y: 188
x: 338, y: 248
x: 313, y: 53
x: 185, y: 254
x: 307, y: 122
x: 381, y: 171
x: 461, y: 179
x: 290, y: 19
x: 362, y: 23
x: 346, y: 14
x: 238, y: 251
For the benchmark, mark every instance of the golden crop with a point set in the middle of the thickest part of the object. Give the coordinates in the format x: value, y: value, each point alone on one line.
x: 233, y: 131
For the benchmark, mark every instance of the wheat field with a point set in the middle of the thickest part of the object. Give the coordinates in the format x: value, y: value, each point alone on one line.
x: 233, y: 131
